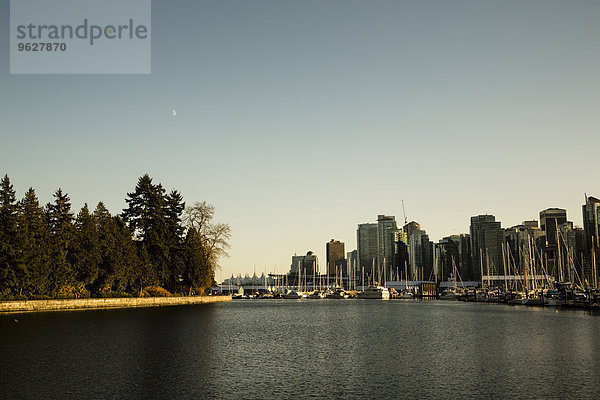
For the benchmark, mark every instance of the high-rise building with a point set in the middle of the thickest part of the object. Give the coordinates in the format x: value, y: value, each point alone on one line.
x: 420, y: 252
x: 401, y: 255
x: 446, y: 258
x: 465, y: 265
x: 452, y: 258
x: 307, y: 265
x: 386, y: 228
x: 520, y: 241
x: 591, y: 224
x: 335, y: 254
x: 352, y: 260
x: 486, y: 246
x: 366, y: 243
x: 550, y: 220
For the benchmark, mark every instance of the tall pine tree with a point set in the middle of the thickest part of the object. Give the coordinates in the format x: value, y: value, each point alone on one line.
x: 60, y: 221
x: 35, y: 246
x: 85, y: 249
x: 11, y: 268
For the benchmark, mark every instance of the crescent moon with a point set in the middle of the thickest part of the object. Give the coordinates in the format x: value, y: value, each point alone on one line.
x: 173, y: 112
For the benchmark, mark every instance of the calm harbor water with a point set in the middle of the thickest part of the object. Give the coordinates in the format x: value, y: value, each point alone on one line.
x: 280, y: 349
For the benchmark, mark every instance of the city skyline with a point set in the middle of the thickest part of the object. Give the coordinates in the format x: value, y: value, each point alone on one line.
x: 300, y: 120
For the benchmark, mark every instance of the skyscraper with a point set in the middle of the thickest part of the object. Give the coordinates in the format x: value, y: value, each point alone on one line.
x: 386, y: 228
x: 303, y: 267
x: 550, y: 220
x: 401, y: 254
x: 420, y: 252
x: 486, y: 245
x: 352, y: 260
x: 453, y: 254
x: 366, y: 242
x: 465, y: 263
x: 446, y: 258
x: 519, y: 240
x: 591, y: 224
x: 335, y: 253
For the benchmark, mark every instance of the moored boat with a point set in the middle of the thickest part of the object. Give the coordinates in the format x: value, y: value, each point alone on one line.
x: 375, y: 292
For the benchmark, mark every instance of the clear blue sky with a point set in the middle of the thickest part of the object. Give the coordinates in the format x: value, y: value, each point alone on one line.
x: 300, y: 119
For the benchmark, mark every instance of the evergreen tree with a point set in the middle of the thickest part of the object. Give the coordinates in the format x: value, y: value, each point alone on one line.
x: 46, y: 251
x: 85, y: 249
x: 119, y: 265
x: 153, y: 218
x: 33, y: 238
x: 146, y: 273
x: 127, y: 264
x: 196, y: 273
x: 60, y: 220
x: 144, y: 208
x: 174, y: 207
x: 11, y: 268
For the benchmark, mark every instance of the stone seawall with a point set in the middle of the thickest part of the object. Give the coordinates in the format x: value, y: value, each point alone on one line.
x: 83, y: 304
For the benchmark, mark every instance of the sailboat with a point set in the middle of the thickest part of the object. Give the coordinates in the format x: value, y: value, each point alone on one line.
x: 452, y: 293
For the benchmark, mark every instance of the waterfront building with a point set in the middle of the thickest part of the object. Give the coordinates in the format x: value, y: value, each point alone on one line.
x: 465, y: 264
x: 386, y: 230
x: 591, y: 224
x: 550, y: 220
x: 420, y: 252
x: 307, y: 265
x: 335, y: 256
x: 519, y: 242
x: 486, y: 246
x: 453, y: 252
x: 591, y: 229
x: 446, y: 258
x: 366, y: 243
x: 401, y: 255
x: 571, y: 255
x: 352, y: 260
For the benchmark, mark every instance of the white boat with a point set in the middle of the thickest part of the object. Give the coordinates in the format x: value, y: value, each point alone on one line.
x: 291, y: 294
x: 337, y: 294
x: 406, y: 295
x: 375, y: 292
x: 450, y: 294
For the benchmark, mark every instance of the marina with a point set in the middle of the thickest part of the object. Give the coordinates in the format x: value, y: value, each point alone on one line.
x: 560, y: 296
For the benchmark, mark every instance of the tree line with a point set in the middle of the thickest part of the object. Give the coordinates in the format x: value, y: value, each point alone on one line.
x: 156, y: 244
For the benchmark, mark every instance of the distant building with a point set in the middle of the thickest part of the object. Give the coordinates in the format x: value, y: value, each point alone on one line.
x: 352, y: 260
x: 307, y: 265
x: 550, y: 220
x: 386, y: 228
x: 570, y: 255
x: 486, y: 246
x: 453, y: 254
x: 465, y: 263
x: 335, y: 256
x: 519, y: 241
x: 591, y: 224
x: 420, y: 252
x: 366, y: 243
x: 401, y: 255
x: 446, y: 258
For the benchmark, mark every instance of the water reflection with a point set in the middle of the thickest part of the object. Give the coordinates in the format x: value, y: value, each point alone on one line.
x: 326, y: 349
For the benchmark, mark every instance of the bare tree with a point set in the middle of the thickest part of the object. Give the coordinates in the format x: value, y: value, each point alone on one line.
x: 198, y: 216
x: 213, y: 237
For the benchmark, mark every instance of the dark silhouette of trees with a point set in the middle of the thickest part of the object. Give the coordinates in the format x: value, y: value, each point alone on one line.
x: 156, y: 241
x: 12, y: 271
